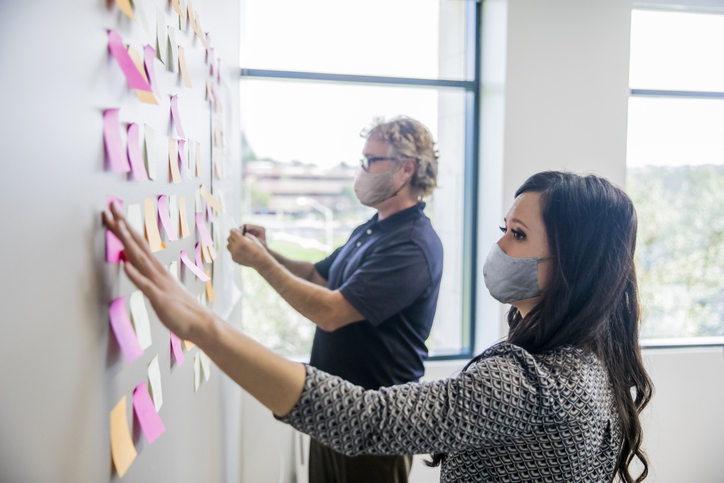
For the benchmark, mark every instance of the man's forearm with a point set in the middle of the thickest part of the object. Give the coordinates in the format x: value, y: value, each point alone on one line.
x: 303, y: 270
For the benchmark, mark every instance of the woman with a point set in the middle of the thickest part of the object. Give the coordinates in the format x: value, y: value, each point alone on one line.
x: 558, y: 401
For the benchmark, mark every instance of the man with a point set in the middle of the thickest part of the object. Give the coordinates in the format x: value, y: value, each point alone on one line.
x: 373, y: 300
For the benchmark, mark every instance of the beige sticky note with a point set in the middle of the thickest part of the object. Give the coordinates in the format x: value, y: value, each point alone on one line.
x: 161, y: 36
x: 189, y: 345
x: 173, y: 270
x: 173, y: 160
x: 183, y: 217
x: 150, y: 153
x: 125, y: 6
x: 139, y: 315
x: 198, y: 206
x: 190, y: 15
x: 197, y: 371
x: 173, y: 49
x: 197, y: 152
x: 199, y: 30
x: 208, y: 86
x: 122, y: 448
x: 177, y: 8
x: 205, y: 253
x: 212, y: 252
x: 182, y: 66
x: 143, y: 96
x: 154, y: 382
x: 205, y: 364
x: 151, y: 218
x: 210, y: 199
x: 209, y: 287
x: 134, y: 217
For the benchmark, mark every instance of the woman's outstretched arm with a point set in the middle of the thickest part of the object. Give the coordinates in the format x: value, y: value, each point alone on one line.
x: 273, y: 380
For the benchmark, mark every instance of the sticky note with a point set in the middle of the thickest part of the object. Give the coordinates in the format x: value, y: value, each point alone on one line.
x: 173, y: 161
x: 182, y: 158
x: 114, y: 247
x: 114, y: 145
x: 154, y: 380
x: 189, y: 345
x: 192, y: 157
x: 143, y: 96
x: 152, y: 234
x: 125, y: 6
x: 150, y: 153
x: 183, y: 216
x: 209, y: 287
x: 173, y: 212
x: 210, y: 199
x: 201, y: 225
x: 209, y: 213
x: 165, y: 219
x: 218, y: 70
x: 176, y: 347
x: 122, y: 448
x: 184, y: 7
x: 182, y: 67
x: 148, y: 55
x: 197, y: 371
x: 141, y: 12
x: 134, y: 217
x: 123, y: 330
x: 197, y: 256
x: 140, y: 319
x: 173, y: 50
x: 199, y: 30
x: 190, y: 15
x: 149, y: 419
x: 177, y: 8
x: 191, y: 266
x: 177, y: 117
x: 212, y: 251
x: 134, y: 153
x: 173, y: 269
x: 199, y: 206
x: 133, y: 77
x: 205, y: 364
x: 161, y: 37
x: 205, y: 251
x: 199, y: 168
x: 208, y: 86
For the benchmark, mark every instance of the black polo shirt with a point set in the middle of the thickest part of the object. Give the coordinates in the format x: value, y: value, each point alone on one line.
x: 390, y: 272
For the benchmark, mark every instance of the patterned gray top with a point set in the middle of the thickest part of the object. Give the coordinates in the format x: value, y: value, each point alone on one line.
x: 511, y: 417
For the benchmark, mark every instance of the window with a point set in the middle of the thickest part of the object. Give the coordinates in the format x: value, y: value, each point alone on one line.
x: 312, y: 79
x: 675, y: 172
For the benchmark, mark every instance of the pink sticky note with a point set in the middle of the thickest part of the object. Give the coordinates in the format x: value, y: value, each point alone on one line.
x: 218, y: 70
x: 165, y: 219
x: 182, y: 158
x: 191, y: 266
x: 124, y: 330
x: 199, y: 260
x: 134, y: 154
x: 151, y: 423
x: 114, y: 145
x: 176, y: 346
x: 209, y: 213
x: 201, y: 226
x: 176, y: 117
x: 133, y: 76
x: 149, y: 53
x: 114, y: 247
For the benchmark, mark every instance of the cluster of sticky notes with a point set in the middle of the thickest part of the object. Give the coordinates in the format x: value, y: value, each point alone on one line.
x: 130, y: 159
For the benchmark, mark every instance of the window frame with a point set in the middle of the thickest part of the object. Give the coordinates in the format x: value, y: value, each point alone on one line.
x: 471, y: 88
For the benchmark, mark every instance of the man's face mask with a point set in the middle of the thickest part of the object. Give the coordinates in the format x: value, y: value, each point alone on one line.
x: 511, y: 279
x: 373, y: 189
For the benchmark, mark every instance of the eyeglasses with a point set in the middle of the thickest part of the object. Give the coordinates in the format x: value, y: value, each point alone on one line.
x: 365, y: 162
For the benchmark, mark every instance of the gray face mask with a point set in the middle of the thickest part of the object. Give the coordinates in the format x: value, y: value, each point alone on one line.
x: 511, y: 279
x: 372, y: 189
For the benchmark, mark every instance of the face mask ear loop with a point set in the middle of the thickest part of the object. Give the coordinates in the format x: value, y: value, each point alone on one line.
x: 403, y: 185
x: 541, y: 260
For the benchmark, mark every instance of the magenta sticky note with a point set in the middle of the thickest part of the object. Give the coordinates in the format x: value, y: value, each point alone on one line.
x: 134, y: 153
x: 182, y: 158
x: 209, y: 213
x: 176, y: 347
x: 114, y: 247
x: 149, y: 53
x: 165, y: 219
x: 114, y: 145
x: 124, y: 330
x: 151, y: 423
x: 191, y: 266
x: 118, y: 50
x: 201, y: 226
x: 199, y: 260
x: 176, y: 117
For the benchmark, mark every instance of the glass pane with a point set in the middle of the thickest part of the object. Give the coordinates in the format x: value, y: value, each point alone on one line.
x: 301, y: 140
x: 398, y: 38
x: 677, y: 51
x: 676, y: 180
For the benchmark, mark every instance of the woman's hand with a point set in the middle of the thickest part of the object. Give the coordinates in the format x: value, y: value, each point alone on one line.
x: 247, y: 249
x: 177, y: 309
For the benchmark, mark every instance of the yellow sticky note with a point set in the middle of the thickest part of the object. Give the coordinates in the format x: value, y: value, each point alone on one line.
x: 185, y: 233
x: 152, y: 234
x: 199, y: 169
x: 173, y: 160
x: 182, y: 66
x: 122, y: 447
x: 209, y: 288
x: 125, y: 6
x: 143, y: 96
x: 210, y: 199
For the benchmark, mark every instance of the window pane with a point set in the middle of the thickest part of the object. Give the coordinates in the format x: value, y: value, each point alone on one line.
x: 397, y: 38
x: 677, y: 51
x: 676, y: 180
x: 302, y: 140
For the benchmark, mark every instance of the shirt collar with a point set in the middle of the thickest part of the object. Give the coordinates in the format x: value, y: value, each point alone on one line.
x: 408, y: 214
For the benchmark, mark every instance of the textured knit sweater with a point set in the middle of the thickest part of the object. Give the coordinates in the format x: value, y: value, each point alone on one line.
x: 510, y: 417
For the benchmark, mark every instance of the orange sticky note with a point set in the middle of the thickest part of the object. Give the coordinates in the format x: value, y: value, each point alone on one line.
x: 209, y: 287
x: 152, y: 234
x: 205, y: 251
x: 189, y: 345
x: 210, y: 199
x: 173, y: 160
x: 122, y: 447
x: 199, y: 169
x: 125, y: 6
x: 190, y: 11
x: 185, y: 232
x: 143, y: 96
x: 182, y: 67
x: 212, y: 253
x: 199, y: 31
x: 177, y: 8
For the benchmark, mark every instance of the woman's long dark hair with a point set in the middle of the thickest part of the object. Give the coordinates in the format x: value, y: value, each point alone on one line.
x: 592, y: 302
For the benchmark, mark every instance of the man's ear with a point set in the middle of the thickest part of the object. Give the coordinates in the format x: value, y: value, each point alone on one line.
x: 410, y: 166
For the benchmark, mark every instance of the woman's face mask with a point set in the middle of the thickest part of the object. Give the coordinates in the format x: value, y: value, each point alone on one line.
x: 373, y: 189
x: 511, y: 279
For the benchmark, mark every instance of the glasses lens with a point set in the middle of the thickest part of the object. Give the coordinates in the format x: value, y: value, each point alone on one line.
x: 364, y: 162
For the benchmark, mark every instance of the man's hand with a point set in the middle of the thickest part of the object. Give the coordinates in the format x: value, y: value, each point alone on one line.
x: 258, y: 231
x: 247, y: 249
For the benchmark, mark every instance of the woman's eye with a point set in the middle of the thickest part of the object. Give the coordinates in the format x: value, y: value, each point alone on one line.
x: 503, y: 229
x: 518, y: 235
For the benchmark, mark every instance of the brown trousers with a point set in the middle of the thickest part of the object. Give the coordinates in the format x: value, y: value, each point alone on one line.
x: 328, y: 466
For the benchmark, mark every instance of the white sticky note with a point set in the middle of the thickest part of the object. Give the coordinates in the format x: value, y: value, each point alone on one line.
x: 191, y: 158
x: 173, y: 212
x: 197, y: 371
x: 135, y: 218
x: 150, y: 153
x: 199, y: 206
x: 140, y: 319
x: 205, y: 364
x: 173, y: 269
x: 172, y: 64
x: 140, y: 12
x: 161, y: 38
x: 154, y: 382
